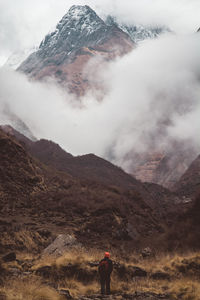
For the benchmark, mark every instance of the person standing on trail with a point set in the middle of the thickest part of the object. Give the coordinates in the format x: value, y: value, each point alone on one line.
x: 105, y: 269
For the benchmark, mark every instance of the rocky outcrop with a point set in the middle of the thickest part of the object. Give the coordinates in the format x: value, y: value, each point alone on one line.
x: 61, y: 244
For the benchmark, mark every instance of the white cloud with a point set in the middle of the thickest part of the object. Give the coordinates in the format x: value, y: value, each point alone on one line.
x: 153, y: 96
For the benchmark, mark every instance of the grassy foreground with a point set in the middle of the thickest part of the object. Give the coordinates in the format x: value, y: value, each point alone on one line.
x: 41, y: 278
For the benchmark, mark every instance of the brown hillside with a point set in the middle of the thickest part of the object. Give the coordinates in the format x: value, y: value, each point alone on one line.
x: 37, y: 198
x: 93, y: 168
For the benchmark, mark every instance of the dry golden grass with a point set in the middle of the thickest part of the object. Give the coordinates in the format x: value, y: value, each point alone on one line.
x: 76, y: 257
x: 29, y: 289
x: 182, y: 285
x: 168, y: 263
x: 23, y: 239
x: 185, y: 289
x: 77, y: 288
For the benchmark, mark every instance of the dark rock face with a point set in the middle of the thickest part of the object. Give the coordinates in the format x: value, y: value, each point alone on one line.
x: 189, y: 183
x: 164, y: 168
x: 9, y: 257
x: 159, y: 275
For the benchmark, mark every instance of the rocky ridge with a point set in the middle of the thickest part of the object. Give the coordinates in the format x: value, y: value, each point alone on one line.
x: 138, y: 32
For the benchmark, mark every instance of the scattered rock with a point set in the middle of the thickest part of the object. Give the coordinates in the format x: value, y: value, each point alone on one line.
x: 125, y: 272
x: 189, y: 267
x: 44, y: 233
x: 82, y: 274
x: 135, y: 296
x: 26, y: 266
x: 9, y: 257
x: 14, y: 271
x: 160, y: 276
x: 146, y: 252
x: 138, y: 272
x: 65, y: 293
x: 61, y: 244
x: 44, y: 271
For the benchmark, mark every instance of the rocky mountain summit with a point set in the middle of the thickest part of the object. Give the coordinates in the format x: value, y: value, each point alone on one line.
x: 78, y: 37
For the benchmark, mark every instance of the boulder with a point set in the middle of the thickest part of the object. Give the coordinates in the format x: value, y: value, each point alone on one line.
x: 44, y: 271
x: 61, y: 244
x: 9, y: 257
x: 139, y: 272
x: 159, y: 275
x: 146, y: 252
x: 65, y: 293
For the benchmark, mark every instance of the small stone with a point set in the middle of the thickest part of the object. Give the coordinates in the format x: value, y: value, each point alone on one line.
x: 146, y: 252
x: 65, y: 293
x: 160, y: 276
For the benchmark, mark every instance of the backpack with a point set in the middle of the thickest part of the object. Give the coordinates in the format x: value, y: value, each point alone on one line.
x: 103, y: 266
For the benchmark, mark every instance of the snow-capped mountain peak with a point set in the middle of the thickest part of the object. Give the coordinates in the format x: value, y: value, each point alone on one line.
x: 75, y: 28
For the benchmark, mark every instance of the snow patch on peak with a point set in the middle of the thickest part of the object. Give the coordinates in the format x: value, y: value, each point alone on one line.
x: 137, y: 32
x: 80, y: 26
x: 80, y: 18
x: 79, y: 23
x: 79, y: 10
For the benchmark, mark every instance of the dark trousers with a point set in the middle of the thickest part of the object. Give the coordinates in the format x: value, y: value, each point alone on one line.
x: 105, y: 285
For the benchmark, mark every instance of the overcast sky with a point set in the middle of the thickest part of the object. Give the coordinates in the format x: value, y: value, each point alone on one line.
x: 24, y: 23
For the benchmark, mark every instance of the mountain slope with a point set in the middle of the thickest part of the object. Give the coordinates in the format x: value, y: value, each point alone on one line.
x: 79, y: 36
x: 189, y: 183
x: 95, y: 169
x: 166, y: 167
x: 40, y: 197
